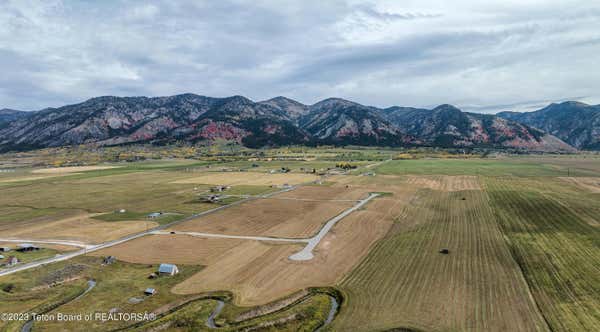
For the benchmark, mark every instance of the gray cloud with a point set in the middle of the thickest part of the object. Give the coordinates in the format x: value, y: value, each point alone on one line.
x: 479, y: 55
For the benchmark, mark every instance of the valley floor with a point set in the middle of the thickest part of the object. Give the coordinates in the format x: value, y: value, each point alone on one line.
x: 521, y: 238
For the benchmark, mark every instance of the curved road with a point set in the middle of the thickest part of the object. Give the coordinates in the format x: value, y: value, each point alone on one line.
x: 306, y: 253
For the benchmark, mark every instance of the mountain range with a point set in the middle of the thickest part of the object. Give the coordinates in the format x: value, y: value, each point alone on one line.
x: 278, y: 121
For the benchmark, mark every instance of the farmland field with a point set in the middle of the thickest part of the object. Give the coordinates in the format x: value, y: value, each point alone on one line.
x: 521, y: 233
x: 557, y: 250
x: 406, y: 283
x: 293, y: 217
x: 520, y: 167
x: 248, y: 178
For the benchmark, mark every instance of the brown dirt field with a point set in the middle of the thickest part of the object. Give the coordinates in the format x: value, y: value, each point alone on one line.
x: 248, y: 178
x: 591, y: 185
x: 172, y: 248
x: 78, y: 227
x: 254, y: 271
x: 268, y: 217
x: 327, y: 193
x: 72, y: 169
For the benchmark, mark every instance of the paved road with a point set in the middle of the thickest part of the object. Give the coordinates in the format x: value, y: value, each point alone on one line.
x: 306, y: 253
x: 60, y: 242
x: 241, y: 237
x: 93, y: 248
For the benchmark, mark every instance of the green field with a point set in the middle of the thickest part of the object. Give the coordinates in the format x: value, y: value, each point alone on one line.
x: 558, y: 251
x: 520, y: 167
x: 406, y: 283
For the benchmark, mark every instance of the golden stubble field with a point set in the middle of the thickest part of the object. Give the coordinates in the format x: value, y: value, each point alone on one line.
x: 74, y: 226
x: 268, y: 217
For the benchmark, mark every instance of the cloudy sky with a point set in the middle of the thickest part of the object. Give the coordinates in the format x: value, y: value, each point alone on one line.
x: 479, y: 55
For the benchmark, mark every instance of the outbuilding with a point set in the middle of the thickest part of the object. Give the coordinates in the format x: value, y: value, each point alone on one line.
x: 12, y: 260
x: 26, y: 247
x: 109, y: 260
x: 154, y: 215
x: 150, y: 291
x: 168, y: 269
x: 219, y: 189
x: 4, y: 249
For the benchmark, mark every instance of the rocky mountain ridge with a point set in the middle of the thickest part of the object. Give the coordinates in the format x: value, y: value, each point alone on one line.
x: 576, y: 123
x: 278, y: 121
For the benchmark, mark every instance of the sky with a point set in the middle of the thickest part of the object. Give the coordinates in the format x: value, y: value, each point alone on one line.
x: 483, y: 56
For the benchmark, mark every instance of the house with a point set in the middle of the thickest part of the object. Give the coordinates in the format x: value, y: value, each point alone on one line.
x: 4, y: 249
x: 23, y: 247
x: 168, y: 269
x: 109, y: 260
x: 154, y: 215
x: 150, y: 291
x: 12, y: 260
